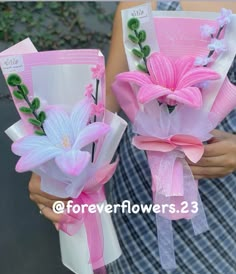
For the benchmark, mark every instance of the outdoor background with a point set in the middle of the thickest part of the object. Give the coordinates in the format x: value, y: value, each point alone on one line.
x: 28, y: 242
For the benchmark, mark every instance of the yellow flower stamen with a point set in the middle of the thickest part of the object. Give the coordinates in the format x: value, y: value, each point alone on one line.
x: 66, y: 142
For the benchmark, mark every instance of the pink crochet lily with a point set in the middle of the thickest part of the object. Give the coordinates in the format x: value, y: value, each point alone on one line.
x: 66, y: 136
x: 170, y: 81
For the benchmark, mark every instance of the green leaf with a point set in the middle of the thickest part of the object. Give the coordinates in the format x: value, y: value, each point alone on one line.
x: 18, y: 95
x: 34, y: 122
x: 142, y: 36
x: 133, y: 24
x: 142, y: 68
x: 146, y: 50
x: 26, y: 110
x: 24, y: 89
x: 42, y: 116
x: 133, y: 38
x: 137, y: 53
x: 35, y: 103
x: 14, y: 80
x: 39, y: 5
x: 39, y: 132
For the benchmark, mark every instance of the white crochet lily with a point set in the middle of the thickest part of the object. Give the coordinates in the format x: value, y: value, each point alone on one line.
x: 66, y: 137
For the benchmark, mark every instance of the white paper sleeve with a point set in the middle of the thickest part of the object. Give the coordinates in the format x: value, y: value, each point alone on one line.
x: 74, y: 249
x: 75, y: 252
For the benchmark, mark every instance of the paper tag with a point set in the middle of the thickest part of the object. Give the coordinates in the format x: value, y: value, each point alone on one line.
x: 12, y: 64
x: 140, y: 12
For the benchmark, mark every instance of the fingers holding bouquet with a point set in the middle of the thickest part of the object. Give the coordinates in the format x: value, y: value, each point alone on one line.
x: 44, y: 201
x: 219, y: 158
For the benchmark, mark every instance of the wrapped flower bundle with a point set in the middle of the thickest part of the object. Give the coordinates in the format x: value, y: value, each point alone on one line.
x: 175, y: 94
x: 67, y: 137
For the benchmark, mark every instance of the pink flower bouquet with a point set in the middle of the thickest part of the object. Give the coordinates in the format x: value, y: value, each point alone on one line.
x: 67, y: 137
x: 175, y: 94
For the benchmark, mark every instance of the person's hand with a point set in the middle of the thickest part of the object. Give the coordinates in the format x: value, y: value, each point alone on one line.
x: 43, y: 200
x: 219, y: 158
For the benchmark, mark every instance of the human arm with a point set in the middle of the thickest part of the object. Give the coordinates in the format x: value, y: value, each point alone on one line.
x: 43, y: 200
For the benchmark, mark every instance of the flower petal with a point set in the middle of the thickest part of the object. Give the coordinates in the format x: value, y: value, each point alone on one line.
x: 183, y: 65
x: 36, y: 157
x: 73, y: 161
x: 190, y: 96
x: 150, y: 92
x: 80, y: 115
x: 90, y: 134
x: 137, y: 77
x: 58, y: 127
x: 196, y: 76
x: 29, y: 143
x: 162, y: 70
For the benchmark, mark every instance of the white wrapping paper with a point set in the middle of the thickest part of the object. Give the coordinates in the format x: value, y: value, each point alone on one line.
x: 74, y: 249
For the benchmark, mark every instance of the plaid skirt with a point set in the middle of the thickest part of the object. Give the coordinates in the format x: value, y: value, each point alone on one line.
x: 211, y: 252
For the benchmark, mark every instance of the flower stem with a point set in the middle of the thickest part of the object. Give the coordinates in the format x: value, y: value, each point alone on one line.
x: 95, y: 118
x: 30, y: 105
x: 141, y: 48
x: 170, y: 108
x: 217, y: 36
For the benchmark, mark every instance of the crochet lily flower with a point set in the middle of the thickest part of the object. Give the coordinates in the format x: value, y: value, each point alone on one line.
x: 66, y: 136
x: 170, y: 81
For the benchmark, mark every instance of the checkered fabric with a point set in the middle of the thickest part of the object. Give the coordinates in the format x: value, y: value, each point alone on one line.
x: 211, y: 252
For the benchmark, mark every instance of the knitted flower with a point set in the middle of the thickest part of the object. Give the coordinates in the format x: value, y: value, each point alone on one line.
x: 169, y: 81
x: 66, y: 137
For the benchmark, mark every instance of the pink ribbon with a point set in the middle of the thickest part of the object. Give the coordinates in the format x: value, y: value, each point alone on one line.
x: 93, y: 193
x: 172, y: 179
x: 190, y: 145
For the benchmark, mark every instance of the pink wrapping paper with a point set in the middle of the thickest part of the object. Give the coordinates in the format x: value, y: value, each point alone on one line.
x: 166, y: 144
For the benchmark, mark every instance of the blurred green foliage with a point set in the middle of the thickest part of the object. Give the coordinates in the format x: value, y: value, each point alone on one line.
x: 56, y: 25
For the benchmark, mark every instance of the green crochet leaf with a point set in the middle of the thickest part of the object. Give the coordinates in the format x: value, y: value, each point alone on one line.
x: 146, y: 50
x: 137, y: 53
x: 142, y: 68
x: 34, y: 122
x: 13, y: 80
x: 26, y: 110
x: 142, y: 36
x: 133, y: 24
x: 23, y: 88
x: 39, y: 132
x: 17, y: 94
x: 133, y: 38
x: 42, y: 116
x: 35, y: 103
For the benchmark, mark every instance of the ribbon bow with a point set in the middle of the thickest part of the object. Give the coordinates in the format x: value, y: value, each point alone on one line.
x: 191, y: 146
x: 172, y: 179
x: 173, y: 184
